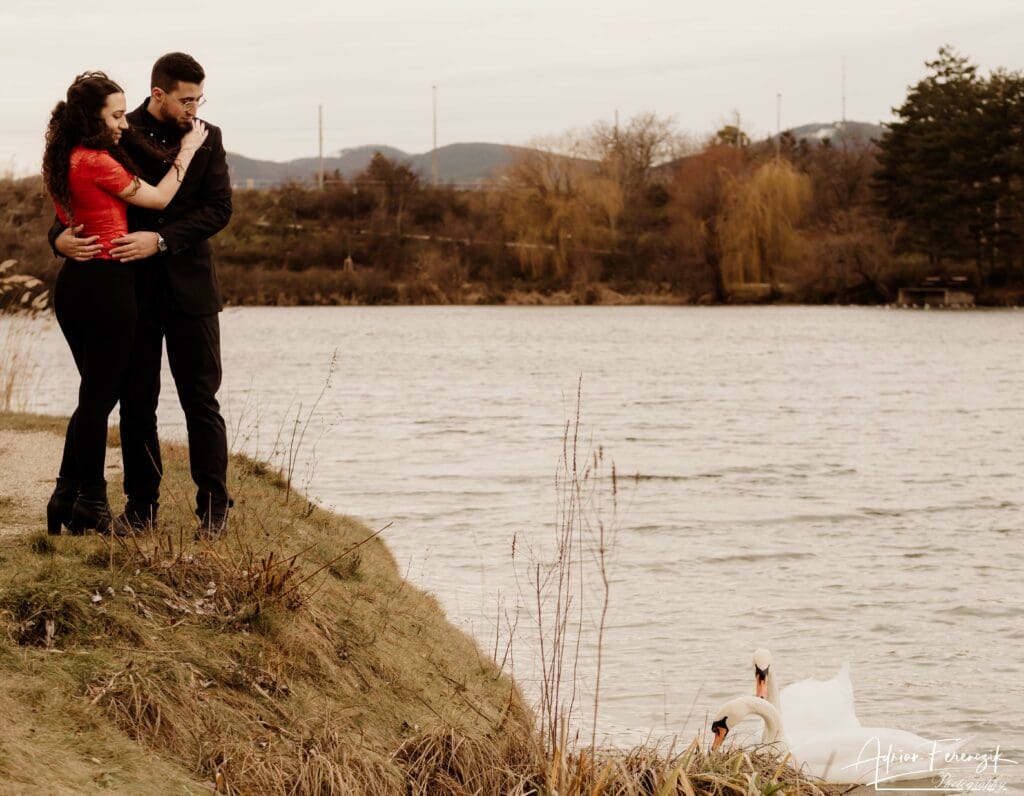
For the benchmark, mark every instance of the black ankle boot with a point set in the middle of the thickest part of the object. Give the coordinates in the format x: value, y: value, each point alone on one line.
x: 138, y: 517
x: 91, y: 511
x: 58, y: 510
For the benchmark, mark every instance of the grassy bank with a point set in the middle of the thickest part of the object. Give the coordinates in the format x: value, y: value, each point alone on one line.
x: 290, y: 657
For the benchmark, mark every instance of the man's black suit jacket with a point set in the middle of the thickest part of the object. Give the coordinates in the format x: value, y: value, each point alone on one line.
x: 183, y: 279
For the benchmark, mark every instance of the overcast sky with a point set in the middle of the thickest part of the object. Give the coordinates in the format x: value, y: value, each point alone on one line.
x: 506, y: 71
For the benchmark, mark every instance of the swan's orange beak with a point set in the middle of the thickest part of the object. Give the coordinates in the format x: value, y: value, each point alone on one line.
x: 719, y: 737
x: 760, y: 686
x: 761, y: 681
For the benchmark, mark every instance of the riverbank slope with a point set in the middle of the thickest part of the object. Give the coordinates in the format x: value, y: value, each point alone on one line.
x: 289, y: 657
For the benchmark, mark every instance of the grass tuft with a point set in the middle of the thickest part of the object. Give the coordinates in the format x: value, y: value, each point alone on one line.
x: 42, y: 545
x: 444, y: 760
x: 41, y: 613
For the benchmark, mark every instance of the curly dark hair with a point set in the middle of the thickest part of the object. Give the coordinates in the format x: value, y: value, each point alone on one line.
x: 76, y: 121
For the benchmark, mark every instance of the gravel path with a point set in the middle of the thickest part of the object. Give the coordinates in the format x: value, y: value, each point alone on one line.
x: 28, y: 466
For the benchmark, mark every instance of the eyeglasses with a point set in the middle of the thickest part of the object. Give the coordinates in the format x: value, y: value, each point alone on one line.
x: 190, y: 103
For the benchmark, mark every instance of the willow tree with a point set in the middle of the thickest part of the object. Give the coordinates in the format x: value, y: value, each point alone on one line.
x: 758, y: 232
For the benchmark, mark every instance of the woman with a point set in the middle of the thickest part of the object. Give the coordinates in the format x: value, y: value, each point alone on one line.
x: 92, y: 183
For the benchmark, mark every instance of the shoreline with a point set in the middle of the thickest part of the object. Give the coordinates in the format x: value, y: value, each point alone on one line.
x: 567, y: 299
x: 327, y: 287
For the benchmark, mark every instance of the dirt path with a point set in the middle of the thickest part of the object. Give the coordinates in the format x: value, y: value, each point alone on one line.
x: 28, y: 466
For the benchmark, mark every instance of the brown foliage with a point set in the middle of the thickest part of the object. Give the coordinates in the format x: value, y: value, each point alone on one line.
x: 698, y: 192
x: 840, y: 177
x: 758, y: 237
x: 555, y: 203
x: 26, y: 214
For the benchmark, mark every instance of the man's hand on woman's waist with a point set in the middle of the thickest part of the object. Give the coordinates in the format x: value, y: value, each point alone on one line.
x: 75, y: 248
x: 135, y: 246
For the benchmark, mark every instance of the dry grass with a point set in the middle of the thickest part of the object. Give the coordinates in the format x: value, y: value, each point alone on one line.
x: 663, y: 770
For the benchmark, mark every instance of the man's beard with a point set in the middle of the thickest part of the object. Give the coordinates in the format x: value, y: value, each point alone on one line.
x: 148, y: 146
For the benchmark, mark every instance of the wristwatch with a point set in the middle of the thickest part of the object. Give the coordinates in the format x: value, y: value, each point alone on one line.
x: 161, y: 244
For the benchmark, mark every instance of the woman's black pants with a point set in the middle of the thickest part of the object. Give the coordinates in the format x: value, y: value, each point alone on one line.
x: 96, y: 308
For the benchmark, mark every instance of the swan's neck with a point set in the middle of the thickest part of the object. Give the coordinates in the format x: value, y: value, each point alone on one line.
x: 772, y: 720
x: 773, y: 689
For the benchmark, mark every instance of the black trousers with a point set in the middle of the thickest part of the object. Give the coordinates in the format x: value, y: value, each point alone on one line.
x: 193, y: 352
x: 96, y: 309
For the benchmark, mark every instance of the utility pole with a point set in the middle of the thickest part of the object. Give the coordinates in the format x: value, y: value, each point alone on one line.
x: 320, y: 135
x: 844, y: 91
x: 433, y: 155
x: 739, y: 134
x: 778, y: 123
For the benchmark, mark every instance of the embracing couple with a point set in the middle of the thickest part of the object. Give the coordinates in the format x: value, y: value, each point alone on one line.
x: 138, y: 195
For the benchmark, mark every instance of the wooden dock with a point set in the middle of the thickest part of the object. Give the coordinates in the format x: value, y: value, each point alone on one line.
x: 937, y: 292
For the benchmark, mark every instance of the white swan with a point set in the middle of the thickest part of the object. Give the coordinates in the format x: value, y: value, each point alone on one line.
x: 734, y: 711
x: 808, y: 707
x: 858, y: 755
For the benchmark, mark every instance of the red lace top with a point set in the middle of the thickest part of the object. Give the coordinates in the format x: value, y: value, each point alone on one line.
x: 94, y: 180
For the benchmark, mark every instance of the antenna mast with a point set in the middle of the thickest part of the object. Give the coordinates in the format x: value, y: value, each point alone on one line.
x: 844, y: 91
x: 320, y: 135
x: 433, y: 154
x: 778, y: 123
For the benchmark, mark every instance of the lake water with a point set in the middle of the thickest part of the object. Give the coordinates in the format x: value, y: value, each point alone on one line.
x: 838, y: 484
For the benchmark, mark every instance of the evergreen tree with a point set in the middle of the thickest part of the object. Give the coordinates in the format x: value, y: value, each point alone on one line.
x: 1001, y: 227
x: 924, y: 177
x: 951, y: 167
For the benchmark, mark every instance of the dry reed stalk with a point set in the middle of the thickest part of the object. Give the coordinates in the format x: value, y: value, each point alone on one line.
x: 562, y: 588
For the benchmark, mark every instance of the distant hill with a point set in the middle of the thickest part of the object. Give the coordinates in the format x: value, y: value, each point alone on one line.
x: 838, y: 131
x: 462, y: 164
x: 467, y: 163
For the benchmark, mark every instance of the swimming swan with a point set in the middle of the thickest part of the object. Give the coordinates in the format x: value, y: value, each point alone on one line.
x: 858, y: 755
x: 808, y: 707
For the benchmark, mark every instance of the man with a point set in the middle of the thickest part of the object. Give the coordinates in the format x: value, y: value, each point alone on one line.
x: 179, y: 298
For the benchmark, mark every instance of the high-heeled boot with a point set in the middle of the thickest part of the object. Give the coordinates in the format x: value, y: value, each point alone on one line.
x: 58, y: 509
x: 91, y: 511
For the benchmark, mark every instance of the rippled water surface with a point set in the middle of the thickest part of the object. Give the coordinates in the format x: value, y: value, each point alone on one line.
x: 836, y: 484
